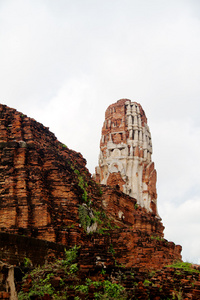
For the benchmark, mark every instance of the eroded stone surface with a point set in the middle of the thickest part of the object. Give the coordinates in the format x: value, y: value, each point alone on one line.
x: 38, y: 186
x: 43, y: 185
x: 125, y: 153
x: 41, y: 191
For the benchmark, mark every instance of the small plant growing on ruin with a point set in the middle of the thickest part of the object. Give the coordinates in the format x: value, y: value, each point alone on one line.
x: 103, y: 272
x: 27, y: 262
x: 111, y: 249
x: 97, y: 215
x: 146, y: 282
x: 185, y: 266
x: 103, y: 230
x: 113, y: 290
x: 116, y: 227
x: 83, y: 289
x: 177, y: 295
x: 64, y: 146
x: 41, y: 277
x: 71, y: 255
x: 152, y: 273
x: 83, y: 185
x: 84, y: 217
x: 157, y: 238
x: 73, y: 268
x: 119, y: 265
x: 108, y: 289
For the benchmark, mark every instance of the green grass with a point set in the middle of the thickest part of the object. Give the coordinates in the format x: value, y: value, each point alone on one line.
x: 184, y: 266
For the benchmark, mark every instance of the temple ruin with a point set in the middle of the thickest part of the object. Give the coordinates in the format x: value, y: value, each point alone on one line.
x: 125, y: 153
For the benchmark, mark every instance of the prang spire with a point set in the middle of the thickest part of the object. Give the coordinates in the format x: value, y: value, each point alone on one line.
x: 125, y: 153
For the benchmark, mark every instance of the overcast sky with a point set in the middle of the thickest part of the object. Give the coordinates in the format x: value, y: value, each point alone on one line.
x: 64, y: 62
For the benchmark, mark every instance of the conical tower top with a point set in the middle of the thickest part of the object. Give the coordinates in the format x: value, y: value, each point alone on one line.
x: 125, y: 153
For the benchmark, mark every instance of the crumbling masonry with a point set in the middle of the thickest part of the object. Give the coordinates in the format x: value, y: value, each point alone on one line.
x: 125, y: 153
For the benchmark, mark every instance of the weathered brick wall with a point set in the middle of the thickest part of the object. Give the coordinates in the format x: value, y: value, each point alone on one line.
x: 40, y: 194
x: 38, y: 187
x: 14, y: 248
x: 94, y: 256
x: 126, y: 210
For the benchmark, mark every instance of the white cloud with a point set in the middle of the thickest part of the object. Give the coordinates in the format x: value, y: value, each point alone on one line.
x: 70, y: 114
x: 176, y: 151
x: 182, y: 226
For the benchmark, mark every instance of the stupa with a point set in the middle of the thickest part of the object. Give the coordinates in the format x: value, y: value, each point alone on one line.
x: 125, y: 153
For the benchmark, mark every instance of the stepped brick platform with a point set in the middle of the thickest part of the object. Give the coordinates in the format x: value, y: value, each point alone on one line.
x: 43, y: 184
x: 47, y: 193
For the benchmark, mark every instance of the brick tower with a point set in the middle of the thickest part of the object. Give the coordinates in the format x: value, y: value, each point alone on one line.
x: 125, y: 153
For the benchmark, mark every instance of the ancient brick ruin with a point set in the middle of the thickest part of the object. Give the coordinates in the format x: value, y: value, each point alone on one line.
x: 43, y: 184
x: 47, y: 193
x: 125, y: 153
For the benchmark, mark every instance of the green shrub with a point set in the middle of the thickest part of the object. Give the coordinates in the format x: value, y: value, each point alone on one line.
x: 83, y: 289
x: 41, y: 277
x: 73, y: 269
x: 97, y: 216
x: 146, y: 282
x: 113, y: 290
x: 84, y: 217
x: 109, y: 290
x: 39, y: 288
x: 83, y: 185
x: 71, y: 255
x: 111, y: 249
x: 185, y: 266
x: 27, y: 262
